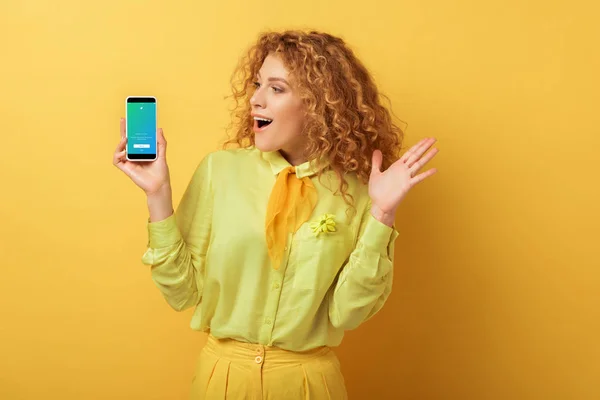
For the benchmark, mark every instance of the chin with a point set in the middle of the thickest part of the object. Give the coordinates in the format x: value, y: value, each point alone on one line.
x: 264, y: 145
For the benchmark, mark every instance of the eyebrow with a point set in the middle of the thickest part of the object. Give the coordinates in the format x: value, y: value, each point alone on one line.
x: 274, y: 79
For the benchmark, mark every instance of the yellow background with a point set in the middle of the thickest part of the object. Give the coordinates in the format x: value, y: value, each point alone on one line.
x: 497, y: 279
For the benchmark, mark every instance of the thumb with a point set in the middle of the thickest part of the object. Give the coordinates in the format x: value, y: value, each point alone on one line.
x: 376, y: 162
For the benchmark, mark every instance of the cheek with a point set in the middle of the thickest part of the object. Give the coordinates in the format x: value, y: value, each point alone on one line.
x: 289, y: 116
x: 291, y: 128
x: 294, y: 117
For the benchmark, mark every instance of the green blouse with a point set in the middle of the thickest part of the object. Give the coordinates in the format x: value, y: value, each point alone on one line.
x: 211, y: 254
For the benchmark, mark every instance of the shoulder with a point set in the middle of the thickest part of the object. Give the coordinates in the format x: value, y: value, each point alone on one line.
x: 360, y: 201
x: 360, y: 193
x: 236, y: 155
x: 353, y: 184
x: 226, y: 161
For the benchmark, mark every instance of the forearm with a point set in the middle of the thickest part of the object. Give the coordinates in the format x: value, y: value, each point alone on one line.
x: 366, y: 280
x: 178, y: 240
x: 160, y: 204
x: 177, y: 273
x: 176, y: 268
x: 361, y: 292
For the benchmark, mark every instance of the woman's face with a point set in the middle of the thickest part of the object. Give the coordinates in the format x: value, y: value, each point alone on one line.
x: 276, y: 100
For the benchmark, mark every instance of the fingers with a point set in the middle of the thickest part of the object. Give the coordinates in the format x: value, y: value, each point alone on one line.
x: 424, y: 175
x: 121, y: 145
x: 162, y: 144
x: 423, y: 160
x: 420, y: 164
x: 123, y: 126
x: 415, y: 152
x: 119, y: 158
x: 410, y: 151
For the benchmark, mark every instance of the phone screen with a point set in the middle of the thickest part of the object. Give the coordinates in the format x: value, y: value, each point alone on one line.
x: 141, y: 128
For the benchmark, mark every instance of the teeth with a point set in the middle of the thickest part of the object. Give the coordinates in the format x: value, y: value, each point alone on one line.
x: 263, y: 119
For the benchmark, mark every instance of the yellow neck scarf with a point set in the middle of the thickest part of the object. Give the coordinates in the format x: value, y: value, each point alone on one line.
x: 291, y: 203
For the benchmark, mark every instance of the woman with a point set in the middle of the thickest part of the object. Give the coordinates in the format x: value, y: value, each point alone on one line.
x: 285, y: 241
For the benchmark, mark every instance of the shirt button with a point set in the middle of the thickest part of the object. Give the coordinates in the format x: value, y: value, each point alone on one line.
x: 276, y: 285
x: 258, y: 359
x: 285, y: 248
x: 268, y: 321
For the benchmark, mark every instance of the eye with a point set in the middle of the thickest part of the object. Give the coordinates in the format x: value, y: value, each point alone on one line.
x: 256, y: 85
x: 276, y: 89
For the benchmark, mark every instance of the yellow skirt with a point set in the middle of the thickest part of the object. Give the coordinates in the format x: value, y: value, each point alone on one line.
x: 228, y: 369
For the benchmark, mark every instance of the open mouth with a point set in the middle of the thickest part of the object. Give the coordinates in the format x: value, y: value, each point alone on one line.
x: 262, y: 122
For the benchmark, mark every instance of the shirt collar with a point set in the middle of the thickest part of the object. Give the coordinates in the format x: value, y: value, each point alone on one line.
x: 279, y: 163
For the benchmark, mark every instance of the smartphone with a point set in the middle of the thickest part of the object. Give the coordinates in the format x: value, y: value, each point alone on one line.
x: 140, y: 129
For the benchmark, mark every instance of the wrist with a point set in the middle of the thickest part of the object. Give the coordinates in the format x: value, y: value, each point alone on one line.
x: 163, y: 191
x: 160, y: 204
x: 385, y: 217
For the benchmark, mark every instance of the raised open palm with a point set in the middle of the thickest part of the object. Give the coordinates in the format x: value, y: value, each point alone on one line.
x: 149, y: 176
x: 388, y: 188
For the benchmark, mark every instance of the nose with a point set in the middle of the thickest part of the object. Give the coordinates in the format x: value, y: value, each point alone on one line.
x: 257, y: 100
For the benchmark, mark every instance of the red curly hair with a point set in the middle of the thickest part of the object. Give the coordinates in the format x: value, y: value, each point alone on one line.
x: 346, y: 120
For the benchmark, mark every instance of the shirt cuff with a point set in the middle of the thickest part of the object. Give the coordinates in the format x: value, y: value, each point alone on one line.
x: 163, y: 233
x: 378, y: 236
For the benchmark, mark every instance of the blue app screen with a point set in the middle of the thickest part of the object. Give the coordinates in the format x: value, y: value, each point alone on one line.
x: 141, y: 128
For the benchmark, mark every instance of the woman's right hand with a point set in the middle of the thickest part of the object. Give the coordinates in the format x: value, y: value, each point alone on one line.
x: 150, y: 176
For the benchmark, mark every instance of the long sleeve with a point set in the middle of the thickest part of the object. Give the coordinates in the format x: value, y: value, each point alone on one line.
x: 177, y: 245
x: 365, y: 282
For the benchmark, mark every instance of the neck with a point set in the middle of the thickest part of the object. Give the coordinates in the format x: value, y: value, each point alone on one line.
x: 294, y: 160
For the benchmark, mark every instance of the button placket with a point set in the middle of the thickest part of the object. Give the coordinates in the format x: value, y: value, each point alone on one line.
x: 274, y: 294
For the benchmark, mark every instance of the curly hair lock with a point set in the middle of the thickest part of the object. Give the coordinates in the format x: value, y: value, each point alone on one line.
x: 346, y: 120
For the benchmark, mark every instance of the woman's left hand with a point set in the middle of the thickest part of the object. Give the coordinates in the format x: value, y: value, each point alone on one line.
x: 388, y: 188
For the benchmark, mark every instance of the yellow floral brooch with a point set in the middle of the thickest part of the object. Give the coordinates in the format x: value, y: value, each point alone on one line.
x: 325, y: 224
